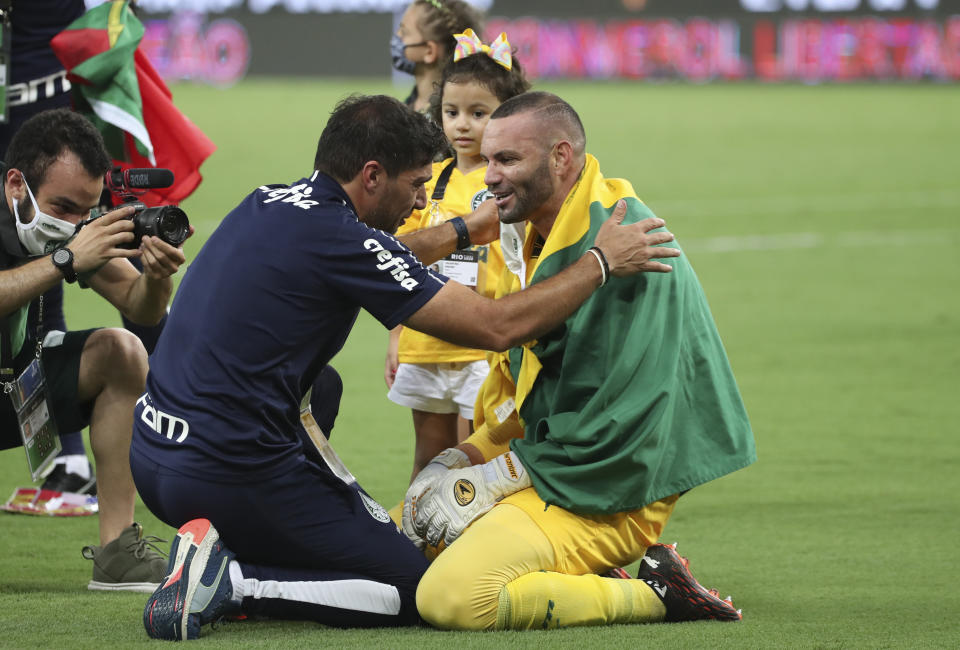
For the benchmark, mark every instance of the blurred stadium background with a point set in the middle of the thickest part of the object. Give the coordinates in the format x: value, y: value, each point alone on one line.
x: 805, y: 154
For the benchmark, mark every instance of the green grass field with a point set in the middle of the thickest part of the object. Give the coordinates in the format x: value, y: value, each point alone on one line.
x: 823, y: 222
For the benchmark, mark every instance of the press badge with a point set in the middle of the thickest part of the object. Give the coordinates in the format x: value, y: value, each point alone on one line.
x: 37, y: 428
x: 462, y: 266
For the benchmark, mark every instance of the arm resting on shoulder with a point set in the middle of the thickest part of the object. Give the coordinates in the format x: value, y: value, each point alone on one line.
x: 461, y: 316
x: 464, y: 317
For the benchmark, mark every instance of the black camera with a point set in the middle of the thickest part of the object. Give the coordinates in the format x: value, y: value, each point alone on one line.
x: 168, y: 222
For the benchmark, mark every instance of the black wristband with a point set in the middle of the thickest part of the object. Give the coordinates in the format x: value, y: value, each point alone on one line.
x: 463, y: 235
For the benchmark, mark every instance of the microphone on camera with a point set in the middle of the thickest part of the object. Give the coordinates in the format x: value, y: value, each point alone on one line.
x: 133, y: 179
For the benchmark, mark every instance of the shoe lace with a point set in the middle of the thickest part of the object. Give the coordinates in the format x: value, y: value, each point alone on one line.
x: 147, y: 545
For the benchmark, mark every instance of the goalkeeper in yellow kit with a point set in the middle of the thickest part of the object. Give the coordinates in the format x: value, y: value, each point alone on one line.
x: 586, y: 437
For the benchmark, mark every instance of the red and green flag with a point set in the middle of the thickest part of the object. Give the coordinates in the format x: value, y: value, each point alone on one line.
x: 115, y: 86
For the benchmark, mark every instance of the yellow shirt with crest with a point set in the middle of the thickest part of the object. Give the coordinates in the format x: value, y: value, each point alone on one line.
x: 464, y: 192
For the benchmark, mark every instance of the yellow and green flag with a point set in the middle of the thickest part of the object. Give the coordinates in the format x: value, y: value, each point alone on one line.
x: 632, y: 399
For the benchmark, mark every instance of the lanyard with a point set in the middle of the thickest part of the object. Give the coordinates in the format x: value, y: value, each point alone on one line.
x: 39, y: 326
x: 5, y: 35
x: 7, y: 369
x: 438, y: 191
x: 441, y: 187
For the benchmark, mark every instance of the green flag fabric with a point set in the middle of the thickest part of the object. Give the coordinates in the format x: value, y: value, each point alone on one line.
x: 97, y: 50
x: 632, y: 399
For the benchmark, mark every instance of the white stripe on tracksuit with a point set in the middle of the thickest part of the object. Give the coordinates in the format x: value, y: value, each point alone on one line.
x: 357, y: 595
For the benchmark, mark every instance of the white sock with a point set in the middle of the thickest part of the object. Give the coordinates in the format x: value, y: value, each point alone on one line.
x: 236, y: 577
x: 75, y: 464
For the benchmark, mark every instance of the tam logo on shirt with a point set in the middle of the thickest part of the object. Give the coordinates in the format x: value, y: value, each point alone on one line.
x: 396, y: 265
x: 163, y: 423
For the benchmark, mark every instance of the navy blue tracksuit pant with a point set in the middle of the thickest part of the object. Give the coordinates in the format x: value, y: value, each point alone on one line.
x: 309, y: 545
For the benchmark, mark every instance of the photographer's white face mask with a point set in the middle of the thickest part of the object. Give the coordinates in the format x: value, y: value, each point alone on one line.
x: 44, y: 232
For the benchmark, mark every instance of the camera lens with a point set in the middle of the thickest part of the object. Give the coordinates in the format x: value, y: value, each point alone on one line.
x: 173, y: 226
x: 167, y: 222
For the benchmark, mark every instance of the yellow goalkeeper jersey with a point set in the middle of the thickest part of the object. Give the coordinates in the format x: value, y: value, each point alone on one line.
x: 478, y: 266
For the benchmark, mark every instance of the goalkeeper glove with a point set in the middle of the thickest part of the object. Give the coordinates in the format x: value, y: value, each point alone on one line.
x: 462, y: 495
x: 447, y: 459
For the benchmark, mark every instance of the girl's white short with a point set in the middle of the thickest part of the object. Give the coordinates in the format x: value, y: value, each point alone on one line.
x: 439, y: 387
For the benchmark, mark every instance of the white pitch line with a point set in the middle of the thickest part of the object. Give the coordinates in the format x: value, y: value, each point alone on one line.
x: 794, y: 241
x: 879, y: 201
x: 735, y: 244
x: 810, y: 204
x: 798, y: 240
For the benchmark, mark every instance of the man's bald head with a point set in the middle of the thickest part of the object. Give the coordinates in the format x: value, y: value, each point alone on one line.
x: 554, y: 118
x: 534, y: 146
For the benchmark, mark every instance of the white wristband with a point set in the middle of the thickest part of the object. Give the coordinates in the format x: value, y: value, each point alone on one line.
x: 603, y: 267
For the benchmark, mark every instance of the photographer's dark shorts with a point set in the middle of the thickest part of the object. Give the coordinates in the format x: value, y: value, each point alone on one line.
x: 61, y: 366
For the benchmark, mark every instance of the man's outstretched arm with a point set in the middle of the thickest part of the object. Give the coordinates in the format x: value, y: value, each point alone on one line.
x: 461, y: 316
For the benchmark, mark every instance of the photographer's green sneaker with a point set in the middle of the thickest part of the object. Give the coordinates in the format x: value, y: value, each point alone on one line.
x: 128, y: 563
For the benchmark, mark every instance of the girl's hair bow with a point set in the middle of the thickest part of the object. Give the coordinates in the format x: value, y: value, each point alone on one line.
x: 468, y: 44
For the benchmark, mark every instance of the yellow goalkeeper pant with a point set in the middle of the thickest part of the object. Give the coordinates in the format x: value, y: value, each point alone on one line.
x: 524, y: 565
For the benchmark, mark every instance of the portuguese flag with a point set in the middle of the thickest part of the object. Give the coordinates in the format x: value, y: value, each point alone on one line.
x: 115, y: 86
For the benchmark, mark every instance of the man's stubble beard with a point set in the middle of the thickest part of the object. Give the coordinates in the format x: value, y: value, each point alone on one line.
x: 529, y: 194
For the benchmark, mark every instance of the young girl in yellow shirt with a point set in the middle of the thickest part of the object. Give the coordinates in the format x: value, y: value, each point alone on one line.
x: 439, y: 381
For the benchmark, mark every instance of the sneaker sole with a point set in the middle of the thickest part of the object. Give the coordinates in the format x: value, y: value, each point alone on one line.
x: 89, y: 488
x: 165, y: 615
x: 141, y: 587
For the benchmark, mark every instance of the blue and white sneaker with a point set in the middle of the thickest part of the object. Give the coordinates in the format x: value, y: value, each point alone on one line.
x: 197, y: 589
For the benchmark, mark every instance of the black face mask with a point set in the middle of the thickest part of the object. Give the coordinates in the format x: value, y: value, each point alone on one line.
x: 399, y: 57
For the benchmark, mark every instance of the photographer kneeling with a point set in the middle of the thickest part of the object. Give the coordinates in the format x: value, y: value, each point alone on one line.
x: 52, y: 177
